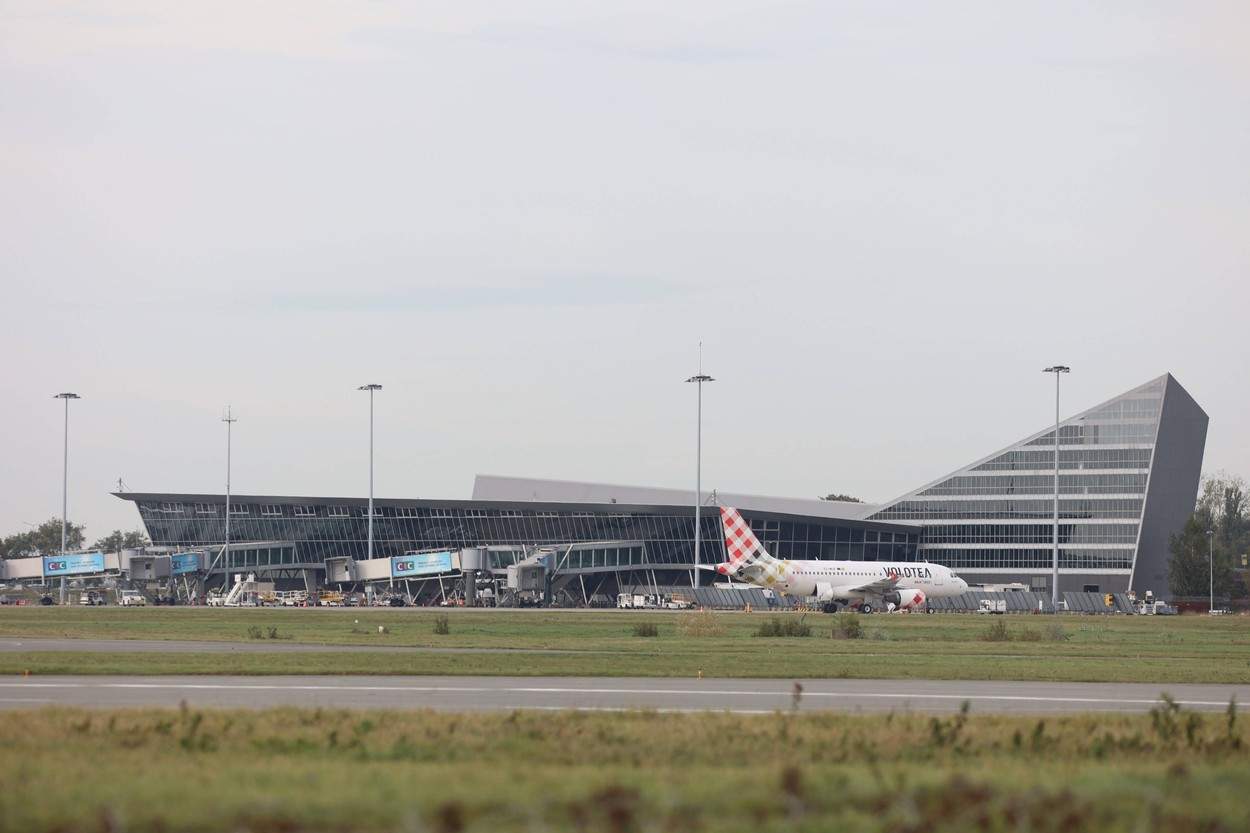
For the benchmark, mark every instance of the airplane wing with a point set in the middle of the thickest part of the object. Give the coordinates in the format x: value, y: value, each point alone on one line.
x: 881, y: 585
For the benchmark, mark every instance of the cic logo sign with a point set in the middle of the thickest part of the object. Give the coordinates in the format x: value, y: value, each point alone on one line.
x: 421, y: 564
x: 69, y: 565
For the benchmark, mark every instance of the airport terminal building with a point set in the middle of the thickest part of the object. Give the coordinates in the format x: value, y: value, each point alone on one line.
x: 600, y: 545
x: 1128, y: 478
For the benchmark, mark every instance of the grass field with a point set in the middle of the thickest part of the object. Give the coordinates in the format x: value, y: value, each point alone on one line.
x: 1146, y: 649
x: 292, y: 770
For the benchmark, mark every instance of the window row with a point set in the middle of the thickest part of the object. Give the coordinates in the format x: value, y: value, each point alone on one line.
x: 274, y: 510
x: 1008, y: 559
x: 1125, y: 433
x: 1084, y: 458
x: 261, y: 557
x: 1023, y: 509
x: 608, y: 557
x: 1145, y: 408
x: 1007, y: 484
x: 1030, y: 534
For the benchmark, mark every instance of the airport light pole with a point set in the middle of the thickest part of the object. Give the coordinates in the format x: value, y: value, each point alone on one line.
x: 1058, y: 370
x: 1210, y: 570
x: 65, y: 481
x: 371, y: 388
x: 230, y: 419
x: 698, y: 380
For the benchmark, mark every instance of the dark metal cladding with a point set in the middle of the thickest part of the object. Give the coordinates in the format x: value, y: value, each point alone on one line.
x: 1173, y: 488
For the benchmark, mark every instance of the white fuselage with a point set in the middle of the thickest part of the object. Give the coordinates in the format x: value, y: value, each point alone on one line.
x: 850, y: 581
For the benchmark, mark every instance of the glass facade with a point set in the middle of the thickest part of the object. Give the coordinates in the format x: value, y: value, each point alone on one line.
x: 655, y: 538
x: 281, y: 556
x: 997, y: 514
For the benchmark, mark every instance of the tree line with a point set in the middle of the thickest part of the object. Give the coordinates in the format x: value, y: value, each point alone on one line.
x: 45, y: 539
x: 1222, y: 510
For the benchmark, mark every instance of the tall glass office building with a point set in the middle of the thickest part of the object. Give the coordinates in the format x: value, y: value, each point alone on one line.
x: 1128, y: 478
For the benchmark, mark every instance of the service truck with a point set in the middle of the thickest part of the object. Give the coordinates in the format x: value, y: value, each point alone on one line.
x: 131, y: 598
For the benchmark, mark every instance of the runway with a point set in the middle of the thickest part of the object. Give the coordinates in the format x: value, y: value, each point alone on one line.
x: 607, y: 694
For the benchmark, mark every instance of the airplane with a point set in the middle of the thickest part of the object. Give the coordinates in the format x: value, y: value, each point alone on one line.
x: 862, y: 585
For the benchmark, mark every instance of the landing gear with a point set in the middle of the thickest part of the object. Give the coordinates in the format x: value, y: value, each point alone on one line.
x: 866, y: 608
x: 829, y: 607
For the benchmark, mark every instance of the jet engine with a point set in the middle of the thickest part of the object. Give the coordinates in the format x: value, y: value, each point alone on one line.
x: 905, y: 600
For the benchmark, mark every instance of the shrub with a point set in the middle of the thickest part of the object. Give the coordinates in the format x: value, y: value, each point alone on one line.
x: 1029, y: 635
x: 1164, y: 718
x: 776, y: 626
x: 700, y: 623
x: 997, y: 632
x: 254, y: 632
x: 1056, y: 633
x: 846, y: 625
x: 946, y: 732
x: 442, y: 625
x: 646, y: 629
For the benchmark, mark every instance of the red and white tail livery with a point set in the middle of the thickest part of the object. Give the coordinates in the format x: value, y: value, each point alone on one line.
x: 741, y: 545
x: 747, y: 559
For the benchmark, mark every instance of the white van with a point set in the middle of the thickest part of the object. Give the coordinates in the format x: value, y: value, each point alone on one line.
x: 131, y: 598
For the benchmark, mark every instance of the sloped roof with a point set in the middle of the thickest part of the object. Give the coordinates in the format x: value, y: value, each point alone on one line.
x: 497, y: 487
x: 1160, y: 383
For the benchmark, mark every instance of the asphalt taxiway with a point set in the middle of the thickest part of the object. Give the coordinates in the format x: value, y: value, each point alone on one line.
x: 606, y: 693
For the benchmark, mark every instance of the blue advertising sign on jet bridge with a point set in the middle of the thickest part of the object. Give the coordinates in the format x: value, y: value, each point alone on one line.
x: 421, y: 564
x: 184, y: 562
x: 73, y: 565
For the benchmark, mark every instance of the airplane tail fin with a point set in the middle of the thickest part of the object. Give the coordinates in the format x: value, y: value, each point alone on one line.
x: 742, y: 548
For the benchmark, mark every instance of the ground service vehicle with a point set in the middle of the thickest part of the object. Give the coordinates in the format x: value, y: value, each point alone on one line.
x: 131, y: 598
x: 291, y: 598
x: 639, y: 601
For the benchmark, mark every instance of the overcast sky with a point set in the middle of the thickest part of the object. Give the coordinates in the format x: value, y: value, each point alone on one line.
x: 882, y: 219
